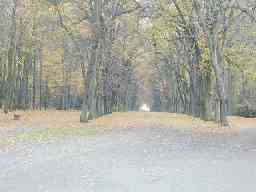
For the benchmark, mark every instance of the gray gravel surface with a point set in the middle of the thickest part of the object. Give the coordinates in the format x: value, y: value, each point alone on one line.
x: 133, y: 160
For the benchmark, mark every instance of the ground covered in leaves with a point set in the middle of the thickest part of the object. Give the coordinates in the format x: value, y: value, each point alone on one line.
x: 41, y: 125
x: 122, y: 152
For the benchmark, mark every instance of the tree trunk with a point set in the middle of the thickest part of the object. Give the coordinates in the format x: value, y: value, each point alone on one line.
x: 89, y: 103
x: 89, y: 108
x: 11, y: 62
x: 216, y: 59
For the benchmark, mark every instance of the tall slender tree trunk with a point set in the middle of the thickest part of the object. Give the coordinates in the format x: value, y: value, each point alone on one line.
x: 40, y: 79
x: 34, y: 79
x: 11, y: 62
x: 216, y: 59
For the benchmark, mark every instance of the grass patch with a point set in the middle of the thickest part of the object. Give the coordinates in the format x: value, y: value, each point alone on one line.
x: 52, y: 133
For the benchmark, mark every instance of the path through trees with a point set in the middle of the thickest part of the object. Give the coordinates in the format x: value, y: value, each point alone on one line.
x: 101, y: 56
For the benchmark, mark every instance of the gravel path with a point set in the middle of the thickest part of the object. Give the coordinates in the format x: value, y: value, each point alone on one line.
x: 133, y: 160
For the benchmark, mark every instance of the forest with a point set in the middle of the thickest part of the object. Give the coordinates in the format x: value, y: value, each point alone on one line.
x: 196, y: 57
x: 127, y: 95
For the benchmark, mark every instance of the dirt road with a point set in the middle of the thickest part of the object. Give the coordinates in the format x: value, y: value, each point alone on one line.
x: 146, y: 158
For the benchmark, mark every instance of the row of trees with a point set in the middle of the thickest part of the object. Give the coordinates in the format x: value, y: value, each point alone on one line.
x: 68, y: 54
x: 209, y: 68
x: 189, y: 56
